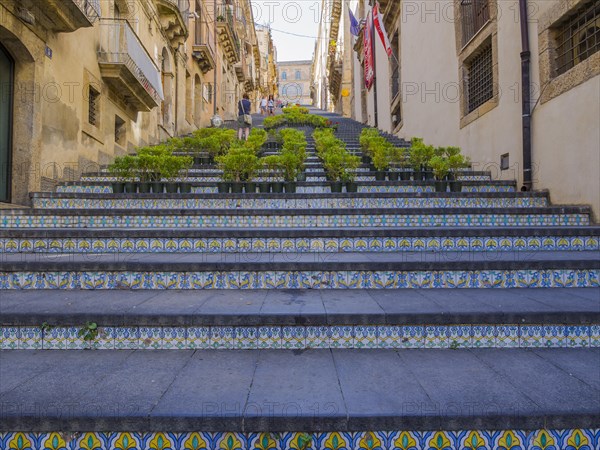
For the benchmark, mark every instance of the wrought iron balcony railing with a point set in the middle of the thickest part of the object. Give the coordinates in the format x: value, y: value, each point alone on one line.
x: 126, y: 65
x: 203, y: 48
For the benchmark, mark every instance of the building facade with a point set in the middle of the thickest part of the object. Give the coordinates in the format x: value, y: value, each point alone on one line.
x: 294, y: 81
x: 268, y: 58
x: 85, y: 81
x: 519, y: 96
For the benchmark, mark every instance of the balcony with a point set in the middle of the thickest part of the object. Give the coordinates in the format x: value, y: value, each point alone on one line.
x: 63, y: 16
x: 335, y: 74
x: 241, y: 68
x: 336, y: 12
x: 174, y: 19
x: 126, y: 66
x: 251, y: 81
x: 203, y: 49
x: 227, y: 35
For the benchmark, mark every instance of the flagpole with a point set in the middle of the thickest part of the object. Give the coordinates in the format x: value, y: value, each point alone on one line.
x: 373, y: 47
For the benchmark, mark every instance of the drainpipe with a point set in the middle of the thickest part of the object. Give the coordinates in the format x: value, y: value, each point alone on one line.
x: 526, y: 96
x: 176, y: 55
x: 214, y: 91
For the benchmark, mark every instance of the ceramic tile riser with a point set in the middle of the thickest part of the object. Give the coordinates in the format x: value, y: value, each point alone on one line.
x: 394, y: 318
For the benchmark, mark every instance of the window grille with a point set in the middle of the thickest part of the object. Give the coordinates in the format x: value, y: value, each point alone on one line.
x: 475, y: 14
x: 93, y: 111
x: 479, y: 80
x: 578, y: 37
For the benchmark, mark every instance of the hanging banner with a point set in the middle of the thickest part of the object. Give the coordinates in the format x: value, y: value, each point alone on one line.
x: 368, y: 46
x: 380, y: 27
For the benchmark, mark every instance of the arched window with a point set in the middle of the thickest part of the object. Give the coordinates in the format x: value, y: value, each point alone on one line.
x: 298, y: 75
x: 284, y: 75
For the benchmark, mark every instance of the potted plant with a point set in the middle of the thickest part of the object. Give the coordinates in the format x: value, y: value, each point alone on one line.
x: 380, y: 161
x: 256, y: 140
x: 122, y: 169
x: 367, y: 135
x: 456, y: 162
x: 440, y: 167
x: 264, y: 184
x: 250, y: 169
x: 290, y: 164
x: 351, y: 163
x: 239, y: 166
x: 273, y: 162
x: 419, y: 156
x: 171, y: 170
x: 334, y: 166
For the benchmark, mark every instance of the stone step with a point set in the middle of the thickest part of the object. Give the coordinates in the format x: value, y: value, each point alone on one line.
x: 300, y: 270
x: 346, y: 390
x: 260, y: 319
x: 242, y: 240
x: 45, y: 200
x: 295, y: 218
x: 311, y: 187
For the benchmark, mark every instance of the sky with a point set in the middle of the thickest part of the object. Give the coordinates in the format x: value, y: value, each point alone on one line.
x: 298, y: 17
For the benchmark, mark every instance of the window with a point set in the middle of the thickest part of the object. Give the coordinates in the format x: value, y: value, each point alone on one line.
x: 479, y: 78
x: 504, y: 161
x: 298, y: 75
x: 474, y: 15
x: 284, y: 75
x: 94, y: 106
x: 578, y: 37
x: 207, y: 92
x: 397, y: 115
x: 120, y: 131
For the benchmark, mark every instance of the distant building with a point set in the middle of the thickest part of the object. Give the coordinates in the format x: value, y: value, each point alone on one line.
x: 294, y: 81
x: 268, y: 56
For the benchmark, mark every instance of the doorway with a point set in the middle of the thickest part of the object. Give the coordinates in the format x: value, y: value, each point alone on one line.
x: 6, y: 93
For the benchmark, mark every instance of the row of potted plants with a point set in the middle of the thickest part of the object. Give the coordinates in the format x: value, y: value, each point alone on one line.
x: 340, y: 165
x: 420, y: 162
x: 244, y: 171
x: 151, y: 169
x: 295, y: 116
x: 206, y: 143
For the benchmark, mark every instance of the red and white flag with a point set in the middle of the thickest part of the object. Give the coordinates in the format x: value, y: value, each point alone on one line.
x: 368, y: 49
x: 380, y: 27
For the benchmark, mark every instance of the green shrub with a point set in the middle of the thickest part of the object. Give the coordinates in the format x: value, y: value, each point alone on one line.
x: 339, y: 164
x: 273, y: 165
x: 295, y: 117
x: 256, y: 139
x: 239, y: 164
x: 440, y: 166
x: 172, y: 167
x: 420, y: 154
x: 367, y: 135
x: 123, y: 168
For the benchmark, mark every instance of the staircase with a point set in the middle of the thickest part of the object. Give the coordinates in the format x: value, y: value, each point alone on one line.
x: 393, y: 318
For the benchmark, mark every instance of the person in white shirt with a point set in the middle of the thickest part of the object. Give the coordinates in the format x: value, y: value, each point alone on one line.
x: 263, y: 106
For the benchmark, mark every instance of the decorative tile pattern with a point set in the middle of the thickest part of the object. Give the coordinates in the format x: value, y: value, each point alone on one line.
x: 298, y: 245
x: 287, y: 202
x: 576, y: 439
x: 304, y: 337
x: 485, y: 279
